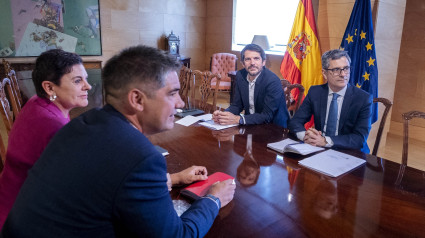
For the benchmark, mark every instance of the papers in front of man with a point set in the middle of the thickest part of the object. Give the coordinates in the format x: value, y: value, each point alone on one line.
x: 332, y: 163
x: 215, y: 126
x: 189, y: 120
x: 288, y: 145
x: 207, y: 122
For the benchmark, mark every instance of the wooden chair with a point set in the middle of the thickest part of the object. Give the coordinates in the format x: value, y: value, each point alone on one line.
x: 285, y: 83
x: 222, y: 64
x: 6, y: 114
x: 11, y: 74
x: 185, y: 82
x: 203, y: 79
x: 406, y: 118
x: 291, y: 103
x: 387, y: 103
x: 6, y: 96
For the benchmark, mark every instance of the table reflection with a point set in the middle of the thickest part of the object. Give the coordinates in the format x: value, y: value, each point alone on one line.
x: 324, y: 200
x: 293, y: 170
x: 248, y: 171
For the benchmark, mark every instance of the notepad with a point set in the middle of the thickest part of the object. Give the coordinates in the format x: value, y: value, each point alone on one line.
x: 332, y: 163
x: 200, y: 188
x: 288, y: 145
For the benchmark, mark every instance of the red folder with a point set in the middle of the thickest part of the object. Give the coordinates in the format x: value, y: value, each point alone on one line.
x: 199, y: 189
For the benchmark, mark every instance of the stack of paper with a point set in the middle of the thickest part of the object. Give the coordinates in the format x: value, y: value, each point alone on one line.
x: 332, y: 163
x: 207, y: 121
x: 189, y: 120
x: 215, y: 126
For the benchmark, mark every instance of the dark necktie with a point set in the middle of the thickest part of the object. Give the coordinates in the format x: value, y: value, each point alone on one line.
x: 332, y: 116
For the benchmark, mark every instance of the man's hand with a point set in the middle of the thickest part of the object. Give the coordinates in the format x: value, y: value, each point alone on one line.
x: 314, y: 137
x: 224, y: 191
x: 225, y: 118
x: 189, y: 175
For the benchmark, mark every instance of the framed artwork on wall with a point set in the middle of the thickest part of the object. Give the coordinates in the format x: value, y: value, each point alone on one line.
x: 30, y: 27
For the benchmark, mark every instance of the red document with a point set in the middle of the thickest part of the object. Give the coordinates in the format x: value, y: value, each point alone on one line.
x: 199, y: 189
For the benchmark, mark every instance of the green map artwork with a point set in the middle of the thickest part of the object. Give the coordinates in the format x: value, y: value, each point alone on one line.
x: 30, y: 27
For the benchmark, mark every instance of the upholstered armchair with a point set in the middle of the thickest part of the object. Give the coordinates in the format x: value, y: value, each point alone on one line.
x: 222, y: 63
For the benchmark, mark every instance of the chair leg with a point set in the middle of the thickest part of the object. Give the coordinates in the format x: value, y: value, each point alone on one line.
x: 400, y: 174
x: 405, y: 141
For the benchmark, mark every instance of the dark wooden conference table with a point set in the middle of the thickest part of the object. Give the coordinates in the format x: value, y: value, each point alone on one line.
x: 275, y: 197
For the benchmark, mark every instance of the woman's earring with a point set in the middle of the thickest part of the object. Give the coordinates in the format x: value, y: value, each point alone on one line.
x: 53, y: 97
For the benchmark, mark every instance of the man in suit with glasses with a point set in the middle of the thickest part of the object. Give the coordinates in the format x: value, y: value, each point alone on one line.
x: 342, y: 112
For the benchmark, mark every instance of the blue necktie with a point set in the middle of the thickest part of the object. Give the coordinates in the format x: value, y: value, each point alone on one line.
x: 332, y: 116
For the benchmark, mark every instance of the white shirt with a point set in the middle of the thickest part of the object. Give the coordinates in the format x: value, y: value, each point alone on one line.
x: 251, y: 87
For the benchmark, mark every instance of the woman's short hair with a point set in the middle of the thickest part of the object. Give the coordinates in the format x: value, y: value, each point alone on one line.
x: 51, y: 66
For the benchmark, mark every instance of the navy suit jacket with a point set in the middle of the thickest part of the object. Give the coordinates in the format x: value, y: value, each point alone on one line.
x: 269, y: 99
x: 354, y: 122
x: 101, y: 177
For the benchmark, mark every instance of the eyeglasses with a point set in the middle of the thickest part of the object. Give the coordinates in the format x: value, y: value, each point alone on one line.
x: 338, y: 71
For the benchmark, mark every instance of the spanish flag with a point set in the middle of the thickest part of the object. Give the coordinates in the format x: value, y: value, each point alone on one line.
x: 302, y: 61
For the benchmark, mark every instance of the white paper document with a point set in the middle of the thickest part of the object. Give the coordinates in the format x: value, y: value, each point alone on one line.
x: 205, y: 117
x: 187, y: 120
x: 215, y: 126
x: 332, y: 163
x: 288, y: 145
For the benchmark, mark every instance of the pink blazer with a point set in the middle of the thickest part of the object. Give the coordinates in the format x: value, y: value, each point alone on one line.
x: 36, y: 124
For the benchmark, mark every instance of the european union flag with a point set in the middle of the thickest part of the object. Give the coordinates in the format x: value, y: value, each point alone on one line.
x: 359, y: 42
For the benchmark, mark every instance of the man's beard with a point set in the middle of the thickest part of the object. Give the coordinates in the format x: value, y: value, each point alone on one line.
x: 254, y: 74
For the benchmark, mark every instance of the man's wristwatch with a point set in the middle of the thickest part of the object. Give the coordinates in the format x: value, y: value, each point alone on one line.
x: 215, y: 199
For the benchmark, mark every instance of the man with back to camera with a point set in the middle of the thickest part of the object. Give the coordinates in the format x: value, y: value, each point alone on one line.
x: 342, y: 112
x: 258, y: 92
x: 101, y: 177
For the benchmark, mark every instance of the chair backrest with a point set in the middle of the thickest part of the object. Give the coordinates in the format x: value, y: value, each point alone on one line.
x: 387, y: 103
x: 203, y: 79
x: 291, y: 103
x: 222, y: 63
x: 185, y: 82
x: 284, y: 83
x: 5, y: 98
x: 11, y: 74
x: 406, y: 118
